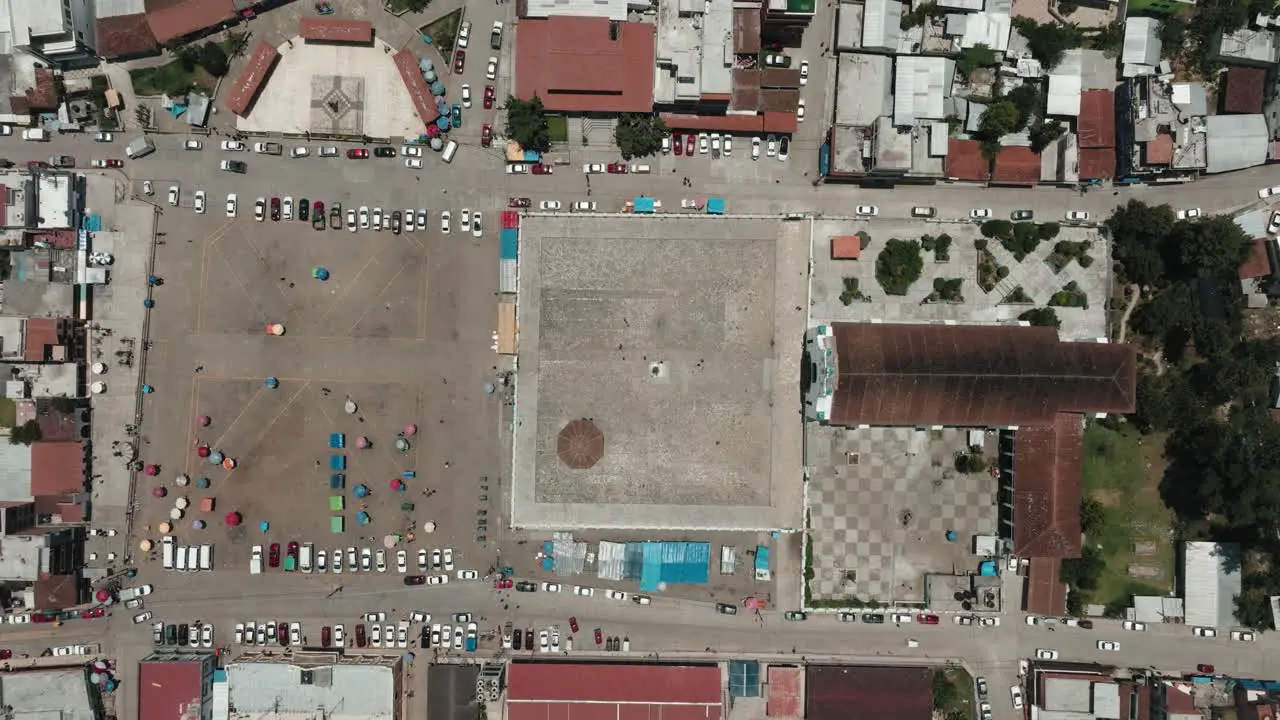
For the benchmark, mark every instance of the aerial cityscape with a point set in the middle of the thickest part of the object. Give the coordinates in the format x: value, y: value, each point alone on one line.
x: 573, y: 359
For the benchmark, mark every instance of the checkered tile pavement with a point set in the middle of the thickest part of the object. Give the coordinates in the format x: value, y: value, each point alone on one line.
x: 880, y: 503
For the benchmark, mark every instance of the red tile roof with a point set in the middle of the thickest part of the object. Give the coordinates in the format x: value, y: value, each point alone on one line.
x: 1017, y: 166
x: 1246, y: 88
x: 419, y: 93
x: 125, y: 36
x: 57, y: 592
x: 1160, y: 150
x: 784, y: 692
x: 173, y: 20
x: 1046, y: 593
x: 574, y: 65
x: 1047, y: 473
x: 40, y: 335
x: 965, y: 160
x: 1258, y: 263
x: 1097, y: 163
x: 581, y: 691
x: 331, y: 30
x: 974, y: 376
x: 855, y: 692
x: 170, y: 690
x: 746, y: 31
x: 252, y: 78
x: 57, y: 468
x: 846, y: 247
x: 1097, y: 124
x: 770, y: 122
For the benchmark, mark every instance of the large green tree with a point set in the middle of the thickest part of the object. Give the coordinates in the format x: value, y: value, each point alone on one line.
x: 1026, y: 97
x: 1048, y: 41
x: 1000, y: 118
x: 527, y: 123
x: 214, y: 59
x: 974, y: 58
x: 1138, y: 234
x: 1044, y: 132
x: 639, y: 134
x: 899, y: 265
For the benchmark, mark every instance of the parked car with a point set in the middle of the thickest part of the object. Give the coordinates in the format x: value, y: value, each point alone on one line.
x: 1020, y: 216
x: 1109, y: 645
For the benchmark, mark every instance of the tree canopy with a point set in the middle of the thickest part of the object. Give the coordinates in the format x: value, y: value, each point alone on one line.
x: 639, y: 134
x: 527, y: 123
x: 974, y: 58
x: 999, y: 119
x: 1048, y: 41
x: 899, y: 265
x: 1044, y: 132
x: 1027, y: 99
x: 214, y: 59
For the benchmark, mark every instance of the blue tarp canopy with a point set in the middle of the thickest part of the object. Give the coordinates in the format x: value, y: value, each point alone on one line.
x: 715, y: 206
x: 644, y: 204
x: 532, y: 156
x: 674, y: 562
x: 762, y: 558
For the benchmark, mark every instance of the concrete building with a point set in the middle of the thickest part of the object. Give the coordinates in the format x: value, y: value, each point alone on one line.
x: 1246, y: 46
x: 266, y: 688
x: 1141, y: 53
x: 59, y: 33
x: 62, y: 693
x: 1210, y: 581
x: 921, y: 88
x: 1157, y: 137
x: 1236, y: 142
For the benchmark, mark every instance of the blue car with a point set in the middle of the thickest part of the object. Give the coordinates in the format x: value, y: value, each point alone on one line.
x: 457, y: 116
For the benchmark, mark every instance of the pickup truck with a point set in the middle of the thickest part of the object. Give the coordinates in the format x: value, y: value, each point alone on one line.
x: 268, y: 148
x: 495, y: 37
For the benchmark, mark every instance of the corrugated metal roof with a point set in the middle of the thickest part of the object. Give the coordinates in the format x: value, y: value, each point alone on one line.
x: 1065, y: 83
x: 921, y: 86
x: 881, y: 24
x: 1211, y: 578
x: 988, y: 28
x: 1141, y: 41
x: 1235, y: 142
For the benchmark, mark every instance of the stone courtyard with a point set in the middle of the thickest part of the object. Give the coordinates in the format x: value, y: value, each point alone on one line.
x: 337, y: 104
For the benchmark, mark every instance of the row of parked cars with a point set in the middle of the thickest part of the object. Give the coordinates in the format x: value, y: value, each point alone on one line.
x: 195, y: 634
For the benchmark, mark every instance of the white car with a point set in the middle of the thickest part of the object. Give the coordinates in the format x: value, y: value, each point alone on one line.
x: 299, y: 151
x: 141, y: 617
x: 413, y: 163
x: 800, y: 110
x: 728, y: 146
x: 584, y: 206
x: 477, y: 230
x: 422, y: 220
x: 666, y: 144
x: 1242, y: 636
x: 867, y: 210
x: 615, y: 594
x: 407, y: 216
x: 544, y: 641
x: 715, y: 143
x: 783, y: 149
x: 148, y: 188
x: 366, y: 559
x: 1189, y: 213
x: 549, y: 205
x: 231, y: 205
x: 173, y: 195
x: 322, y: 561
x: 337, y: 561
x: 517, y: 169
x: 422, y: 559
x: 772, y: 148
x: 352, y: 226
x: 584, y: 590
x: 457, y: 637
x: 755, y: 148
x: 364, y: 217
x: 491, y: 70
x: 1204, y: 632
x: 1077, y: 216
x: 206, y: 636
x: 979, y: 213
x: 411, y: 151
x: 1015, y: 692
x: 193, y: 145
x: 468, y: 575
x: 1109, y: 645
x: 804, y: 73
x: 437, y: 579
x: 381, y: 560
x: 402, y: 634
x: 402, y: 561
x: 352, y: 563
x: 448, y: 552
x: 1135, y: 626
x: 377, y: 218
x: 989, y: 621
x: 550, y: 587
x: 199, y: 201
x: 233, y: 146
x: 266, y: 630
x: 435, y: 635
x: 1273, y: 227
x: 1046, y: 654
x: 260, y: 209
x: 465, y: 219
x: 593, y: 168
x: 704, y: 144
x: 1268, y: 192
x: 286, y: 213
x: 376, y: 617
x: 555, y: 639
x: 375, y: 636
x: 466, y: 95
x: 389, y: 636
x: 464, y: 35
x: 339, y: 633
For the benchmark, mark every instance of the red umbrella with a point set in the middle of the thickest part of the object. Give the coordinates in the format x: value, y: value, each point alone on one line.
x: 233, y: 519
x: 102, y: 595
x: 159, y: 492
x: 396, y: 484
x: 203, y: 451
x: 152, y: 470
x: 205, y: 420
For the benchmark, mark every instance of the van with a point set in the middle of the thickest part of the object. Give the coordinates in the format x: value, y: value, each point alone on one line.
x: 206, y: 557
x: 449, y: 151
x: 166, y: 551
x: 180, y: 563
x: 304, y: 560
x: 193, y: 558
x: 35, y: 134
x: 641, y: 169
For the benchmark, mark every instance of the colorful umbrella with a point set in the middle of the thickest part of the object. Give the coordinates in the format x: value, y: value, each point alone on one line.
x: 397, y: 485
x: 202, y: 483
x: 402, y: 445
x: 229, y: 464
x: 362, y: 517
x: 410, y: 430
x: 152, y: 470
x: 361, y: 491
x: 204, y: 420
x: 203, y: 451
x: 216, y: 458
x: 233, y: 519
x: 102, y: 595
x: 362, y: 442
x: 159, y: 492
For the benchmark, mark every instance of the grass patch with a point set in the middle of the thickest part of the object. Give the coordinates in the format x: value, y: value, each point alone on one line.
x: 558, y: 128
x: 443, y: 33
x: 8, y: 413
x: 1122, y: 471
x: 170, y: 79
x: 952, y: 693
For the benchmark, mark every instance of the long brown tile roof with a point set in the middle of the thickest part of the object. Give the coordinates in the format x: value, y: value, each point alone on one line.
x: 1047, y: 476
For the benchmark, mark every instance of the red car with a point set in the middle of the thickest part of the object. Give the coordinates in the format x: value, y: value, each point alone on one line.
x: 459, y: 61
x: 273, y: 555
x: 486, y: 135
x: 1206, y: 669
x: 599, y: 637
x: 489, y: 96
x: 504, y: 584
x: 324, y: 636
x: 519, y: 202
x: 94, y: 612
x: 358, y: 154
x: 677, y: 141
x: 114, y: 163
x: 282, y: 632
x: 293, y: 549
x: 927, y: 619
x: 5, y: 654
x: 317, y: 209
x: 541, y: 169
x: 360, y: 638
x: 617, y: 168
x: 275, y: 208
x: 689, y: 144
x: 573, y: 624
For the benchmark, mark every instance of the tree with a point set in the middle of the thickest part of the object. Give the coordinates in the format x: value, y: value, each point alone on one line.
x: 1092, y: 514
x: 1027, y: 99
x: 1212, y: 245
x: 1138, y: 233
x: 1000, y: 118
x: 1044, y: 132
x: 1108, y: 39
x: 1083, y: 572
x: 26, y: 433
x: 898, y: 265
x: 527, y: 123
x: 974, y: 58
x: 639, y: 134
x: 1167, y: 402
x: 1048, y: 41
x: 1226, y: 470
x: 187, y: 55
x: 213, y: 59
x: 1041, y: 317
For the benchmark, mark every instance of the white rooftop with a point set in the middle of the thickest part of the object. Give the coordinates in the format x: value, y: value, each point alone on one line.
x: 612, y: 9
x: 117, y: 8
x: 32, y: 19
x: 864, y: 86
x: 61, y: 694
x: 336, y: 692
x: 881, y: 25
x: 1249, y: 44
x: 1211, y: 573
x: 1234, y: 142
x: 717, y: 47
x: 987, y: 28
x: 1141, y: 41
x: 921, y: 85
x: 53, y: 198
